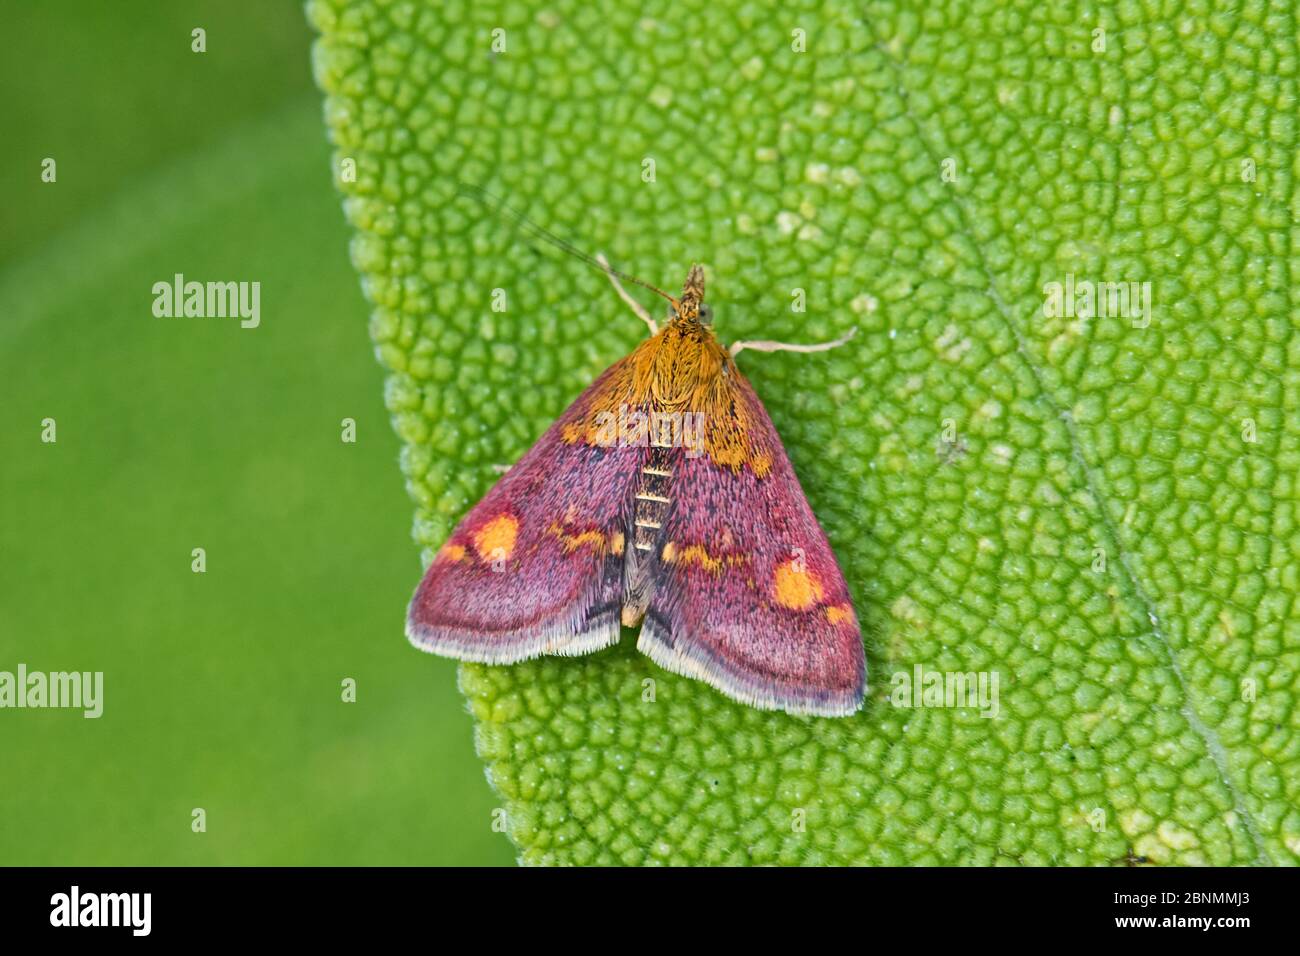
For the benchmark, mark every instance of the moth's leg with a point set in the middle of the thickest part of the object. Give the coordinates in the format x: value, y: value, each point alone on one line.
x: 765, y: 346
x: 632, y: 303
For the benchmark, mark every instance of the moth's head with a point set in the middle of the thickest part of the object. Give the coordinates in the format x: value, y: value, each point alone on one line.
x: 690, y: 307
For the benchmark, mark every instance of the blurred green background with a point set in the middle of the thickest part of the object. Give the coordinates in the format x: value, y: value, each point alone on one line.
x: 223, y: 689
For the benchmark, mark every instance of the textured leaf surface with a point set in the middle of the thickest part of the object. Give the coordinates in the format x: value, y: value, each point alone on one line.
x: 1100, y: 531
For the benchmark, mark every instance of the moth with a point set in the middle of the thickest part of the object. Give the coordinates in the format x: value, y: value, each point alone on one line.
x: 663, y: 498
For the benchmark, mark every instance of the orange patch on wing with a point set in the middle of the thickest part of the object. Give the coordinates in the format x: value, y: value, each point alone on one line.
x: 697, y: 554
x: 451, y: 552
x: 572, y: 542
x: 839, y: 613
x: 496, y: 539
x: 616, y: 542
x: 795, y: 587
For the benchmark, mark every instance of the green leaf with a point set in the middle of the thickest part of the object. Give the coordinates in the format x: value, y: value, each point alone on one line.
x: 1099, y: 511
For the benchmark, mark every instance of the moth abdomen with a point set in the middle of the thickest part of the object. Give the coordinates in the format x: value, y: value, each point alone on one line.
x: 652, y: 503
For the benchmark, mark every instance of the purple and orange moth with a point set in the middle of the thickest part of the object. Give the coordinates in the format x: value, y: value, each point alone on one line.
x: 662, y: 497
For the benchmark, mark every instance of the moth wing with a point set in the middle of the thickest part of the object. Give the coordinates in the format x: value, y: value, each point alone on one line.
x: 748, y: 596
x: 536, y: 566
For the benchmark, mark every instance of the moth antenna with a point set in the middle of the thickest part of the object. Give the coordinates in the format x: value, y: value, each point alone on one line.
x: 498, y: 205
